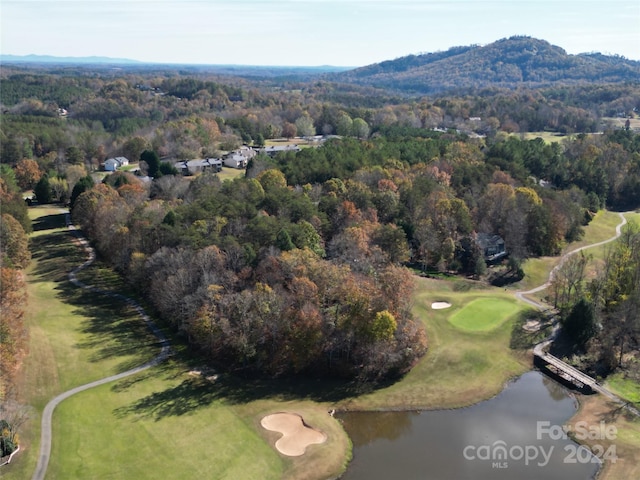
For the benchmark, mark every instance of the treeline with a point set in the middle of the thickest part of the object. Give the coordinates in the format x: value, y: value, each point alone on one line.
x: 14, y: 258
x: 298, y: 266
x: 240, y: 269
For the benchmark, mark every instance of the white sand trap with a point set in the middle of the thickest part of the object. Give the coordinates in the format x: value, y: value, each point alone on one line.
x: 440, y: 305
x: 532, y: 326
x: 296, y: 435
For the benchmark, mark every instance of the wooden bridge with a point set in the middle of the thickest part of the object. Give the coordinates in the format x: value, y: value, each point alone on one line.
x: 565, y: 371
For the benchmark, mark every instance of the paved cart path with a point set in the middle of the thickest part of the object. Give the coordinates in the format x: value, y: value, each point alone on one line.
x: 540, y: 349
x: 45, y: 436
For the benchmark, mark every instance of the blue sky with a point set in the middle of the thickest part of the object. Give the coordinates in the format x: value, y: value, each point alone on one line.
x: 306, y: 32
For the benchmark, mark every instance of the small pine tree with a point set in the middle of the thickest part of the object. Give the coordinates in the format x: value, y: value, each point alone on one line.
x: 580, y: 325
x: 42, y: 190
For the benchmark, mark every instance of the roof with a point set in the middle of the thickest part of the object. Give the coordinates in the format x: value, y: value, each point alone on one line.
x: 488, y: 239
x: 118, y: 160
x: 199, y: 162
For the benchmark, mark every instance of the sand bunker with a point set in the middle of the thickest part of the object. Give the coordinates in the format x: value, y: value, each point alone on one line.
x: 296, y: 435
x: 532, y: 326
x: 440, y: 305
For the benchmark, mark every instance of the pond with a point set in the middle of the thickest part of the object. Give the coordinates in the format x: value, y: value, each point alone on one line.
x: 515, y: 435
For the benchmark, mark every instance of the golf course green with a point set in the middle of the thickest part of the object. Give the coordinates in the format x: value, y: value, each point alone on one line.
x: 483, y: 314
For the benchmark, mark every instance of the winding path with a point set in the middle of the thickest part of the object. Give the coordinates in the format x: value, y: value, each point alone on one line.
x: 45, y: 436
x: 521, y: 295
x: 539, y: 349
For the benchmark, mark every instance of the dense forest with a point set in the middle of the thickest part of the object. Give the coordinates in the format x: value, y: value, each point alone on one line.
x: 510, y: 62
x: 301, y: 265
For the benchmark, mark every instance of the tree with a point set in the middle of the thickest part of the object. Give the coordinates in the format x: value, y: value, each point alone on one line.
x: 259, y: 140
x: 81, y: 186
x: 167, y: 169
x: 289, y: 130
x: 133, y: 147
x: 581, y: 323
x: 150, y: 157
x: 14, y: 243
x: 27, y: 173
x: 283, y: 241
x: 12, y: 331
x: 383, y: 326
x: 304, y: 126
x: 360, y: 128
x: 74, y: 155
x: 344, y: 125
x: 42, y: 190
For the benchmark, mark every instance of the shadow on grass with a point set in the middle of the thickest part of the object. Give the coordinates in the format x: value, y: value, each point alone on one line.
x: 522, y: 339
x: 110, y: 327
x: 49, y: 222
x: 196, y: 392
x: 113, y: 329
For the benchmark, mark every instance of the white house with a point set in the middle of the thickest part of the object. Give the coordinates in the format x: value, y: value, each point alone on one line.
x: 235, y: 160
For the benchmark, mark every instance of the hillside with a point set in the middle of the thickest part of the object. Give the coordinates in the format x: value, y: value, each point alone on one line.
x: 511, y: 62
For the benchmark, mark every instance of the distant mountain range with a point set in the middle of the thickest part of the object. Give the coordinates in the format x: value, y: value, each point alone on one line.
x: 67, y: 60
x: 510, y: 62
x: 262, y: 71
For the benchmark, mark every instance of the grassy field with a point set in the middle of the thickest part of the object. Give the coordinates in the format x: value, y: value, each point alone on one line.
x: 626, y: 442
x: 548, y: 137
x: 617, y: 122
x: 624, y: 387
x: 483, y: 314
x: 230, y: 173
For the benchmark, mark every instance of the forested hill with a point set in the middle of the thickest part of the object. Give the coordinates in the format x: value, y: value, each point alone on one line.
x: 511, y: 62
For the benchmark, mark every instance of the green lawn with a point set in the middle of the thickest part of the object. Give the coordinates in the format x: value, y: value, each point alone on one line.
x: 159, y: 424
x: 624, y: 387
x: 483, y: 314
x: 230, y: 173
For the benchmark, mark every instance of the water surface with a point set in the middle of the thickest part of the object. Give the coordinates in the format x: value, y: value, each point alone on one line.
x: 501, y: 438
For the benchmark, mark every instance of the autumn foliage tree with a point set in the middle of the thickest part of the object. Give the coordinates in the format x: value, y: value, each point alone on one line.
x: 14, y: 256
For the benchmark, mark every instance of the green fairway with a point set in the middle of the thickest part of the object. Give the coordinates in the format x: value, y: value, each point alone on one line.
x: 160, y: 424
x: 483, y: 314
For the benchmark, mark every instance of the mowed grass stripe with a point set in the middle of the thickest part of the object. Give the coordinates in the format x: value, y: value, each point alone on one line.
x: 135, y: 431
x: 483, y: 314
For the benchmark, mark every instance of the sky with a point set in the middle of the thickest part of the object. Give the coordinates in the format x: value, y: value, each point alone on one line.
x: 306, y: 32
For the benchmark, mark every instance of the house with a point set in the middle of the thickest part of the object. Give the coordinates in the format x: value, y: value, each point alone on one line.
x: 112, y: 164
x: 492, y: 246
x: 246, y: 152
x: 235, y: 160
x: 192, y: 167
x: 273, y: 150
